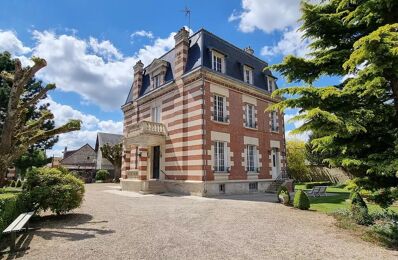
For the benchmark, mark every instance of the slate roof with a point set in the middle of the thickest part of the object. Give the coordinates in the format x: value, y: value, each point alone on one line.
x: 103, y: 138
x: 82, y: 156
x: 199, y: 55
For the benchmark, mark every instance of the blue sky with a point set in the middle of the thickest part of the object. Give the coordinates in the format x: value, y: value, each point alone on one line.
x: 91, y: 46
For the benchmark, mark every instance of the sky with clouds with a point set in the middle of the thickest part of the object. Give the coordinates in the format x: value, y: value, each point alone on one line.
x: 91, y: 47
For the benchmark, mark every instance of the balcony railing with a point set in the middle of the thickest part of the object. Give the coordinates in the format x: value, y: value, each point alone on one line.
x: 146, y: 128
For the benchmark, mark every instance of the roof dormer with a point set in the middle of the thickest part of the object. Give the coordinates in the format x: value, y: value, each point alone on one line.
x: 157, y: 71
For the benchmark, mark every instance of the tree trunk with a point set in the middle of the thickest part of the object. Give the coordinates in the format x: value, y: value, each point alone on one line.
x: 117, y: 172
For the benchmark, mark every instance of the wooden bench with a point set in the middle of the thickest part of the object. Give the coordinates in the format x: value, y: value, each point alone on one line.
x: 18, y: 225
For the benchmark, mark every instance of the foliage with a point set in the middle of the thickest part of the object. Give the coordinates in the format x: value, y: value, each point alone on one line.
x: 18, y: 128
x: 359, y: 210
x: 12, y: 184
x: 32, y: 158
x: 310, y: 185
x: 387, y: 233
x: 355, y: 122
x: 301, y: 200
x: 50, y: 189
x: 113, y: 153
x: 102, y: 175
x: 18, y: 184
x: 11, y: 205
x: 295, y: 155
x: 283, y: 195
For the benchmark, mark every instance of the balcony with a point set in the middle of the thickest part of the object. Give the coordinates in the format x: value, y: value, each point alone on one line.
x: 145, y: 134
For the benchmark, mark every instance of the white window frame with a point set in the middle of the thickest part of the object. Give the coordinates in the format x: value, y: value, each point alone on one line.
x: 156, y: 114
x: 220, y: 110
x: 251, y: 158
x: 156, y: 81
x: 218, y: 62
x: 248, y: 74
x: 220, y: 156
x: 274, y: 122
x: 250, y: 116
x: 270, y: 84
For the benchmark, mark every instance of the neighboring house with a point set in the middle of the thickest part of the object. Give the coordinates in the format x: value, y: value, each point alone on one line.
x: 105, y: 138
x: 81, y: 160
x: 195, y: 121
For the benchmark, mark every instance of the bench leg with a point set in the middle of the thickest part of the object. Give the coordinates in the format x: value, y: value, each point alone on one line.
x: 13, y: 238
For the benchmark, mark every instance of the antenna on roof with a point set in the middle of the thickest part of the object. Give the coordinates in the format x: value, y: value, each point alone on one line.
x: 187, y: 13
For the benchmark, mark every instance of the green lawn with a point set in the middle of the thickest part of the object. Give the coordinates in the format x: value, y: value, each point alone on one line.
x: 332, y: 203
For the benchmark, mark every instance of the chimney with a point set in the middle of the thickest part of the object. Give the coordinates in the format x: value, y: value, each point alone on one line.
x: 65, y: 150
x: 249, y: 50
x: 181, y: 51
x: 137, y: 82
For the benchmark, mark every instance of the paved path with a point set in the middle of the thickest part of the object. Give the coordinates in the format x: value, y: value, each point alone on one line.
x: 123, y: 225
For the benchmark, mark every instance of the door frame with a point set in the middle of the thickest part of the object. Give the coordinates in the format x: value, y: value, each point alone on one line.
x: 153, y: 161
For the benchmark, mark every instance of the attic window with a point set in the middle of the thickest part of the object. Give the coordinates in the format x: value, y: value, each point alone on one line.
x: 156, y: 81
x: 270, y: 84
x: 248, y: 74
x: 218, y: 62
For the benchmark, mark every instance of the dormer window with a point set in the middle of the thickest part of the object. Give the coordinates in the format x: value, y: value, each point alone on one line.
x: 218, y: 62
x: 270, y: 84
x: 157, y: 71
x: 248, y: 74
x: 156, y: 81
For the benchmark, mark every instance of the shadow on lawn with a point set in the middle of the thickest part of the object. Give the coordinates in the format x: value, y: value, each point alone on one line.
x: 338, y: 198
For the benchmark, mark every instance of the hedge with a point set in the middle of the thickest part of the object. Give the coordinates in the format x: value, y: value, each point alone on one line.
x: 11, y: 205
x: 301, y: 200
x: 310, y: 185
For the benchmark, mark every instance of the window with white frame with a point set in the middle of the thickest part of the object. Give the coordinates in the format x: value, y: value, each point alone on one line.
x: 274, y: 122
x: 156, y: 114
x: 220, y: 109
x: 218, y: 62
x: 156, y: 81
x: 220, y: 156
x: 270, y: 84
x: 251, y: 158
x: 248, y: 74
x: 250, y: 116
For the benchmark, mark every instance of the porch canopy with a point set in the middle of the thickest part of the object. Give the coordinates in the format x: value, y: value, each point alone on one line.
x: 145, y: 133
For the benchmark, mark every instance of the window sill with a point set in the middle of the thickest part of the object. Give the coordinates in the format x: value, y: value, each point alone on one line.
x: 251, y: 128
x: 220, y: 122
x: 274, y: 131
x: 252, y: 173
x: 221, y: 173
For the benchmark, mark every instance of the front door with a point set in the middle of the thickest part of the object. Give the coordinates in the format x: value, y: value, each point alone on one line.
x: 275, y: 163
x: 155, y: 162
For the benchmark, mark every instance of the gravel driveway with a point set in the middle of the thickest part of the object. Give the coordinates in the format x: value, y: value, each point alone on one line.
x: 123, y: 225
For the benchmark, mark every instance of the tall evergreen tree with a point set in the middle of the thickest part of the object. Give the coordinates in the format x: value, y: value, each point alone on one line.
x: 356, y: 121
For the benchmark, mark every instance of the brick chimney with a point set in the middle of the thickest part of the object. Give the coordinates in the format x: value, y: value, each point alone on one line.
x: 249, y: 50
x: 138, y: 74
x: 181, y: 51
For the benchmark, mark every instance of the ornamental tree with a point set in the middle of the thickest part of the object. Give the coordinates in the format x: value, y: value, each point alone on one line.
x: 354, y: 123
x: 17, y: 133
x: 113, y: 153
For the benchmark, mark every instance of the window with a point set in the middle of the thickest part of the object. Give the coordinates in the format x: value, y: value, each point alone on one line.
x: 218, y: 62
x: 250, y: 116
x: 253, y: 186
x: 220, y: 156
x: 274, y: 122
x: 156, y: 81
x: 251, y: 158
x: 270, y: 84
x: 220, y: 109
x: 221, y: 188
x: 156, y: 114
x: 248, y: 74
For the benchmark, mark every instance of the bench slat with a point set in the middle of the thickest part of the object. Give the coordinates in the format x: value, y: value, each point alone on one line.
x: 14, y: 223
x: 19, y: 222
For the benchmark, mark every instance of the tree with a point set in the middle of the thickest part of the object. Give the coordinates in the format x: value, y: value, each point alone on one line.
x: 357, y: 119
x: 113, y: 153
x: 32, y: 158
x: 296, y: 160
x: 18, y: 133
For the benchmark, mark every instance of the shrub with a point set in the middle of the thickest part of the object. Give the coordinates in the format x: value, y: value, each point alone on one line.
x: 359, y: 210
x: 102, y: 175
x: 310, y: 185
x: 301, y: 200
x: 18, y: 184
x: 283, y: 195
x: 12, y: 184
x: 11, y: 205
x: 387, y: 233
x: 51, y: 189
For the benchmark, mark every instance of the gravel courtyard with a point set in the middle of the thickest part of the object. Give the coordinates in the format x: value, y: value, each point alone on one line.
x: 123, y: 225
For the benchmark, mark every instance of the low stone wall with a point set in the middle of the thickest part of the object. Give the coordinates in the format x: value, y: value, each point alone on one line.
x: 131, y: 185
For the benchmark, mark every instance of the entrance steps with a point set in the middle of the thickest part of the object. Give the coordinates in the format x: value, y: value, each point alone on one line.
x: 153, y: 187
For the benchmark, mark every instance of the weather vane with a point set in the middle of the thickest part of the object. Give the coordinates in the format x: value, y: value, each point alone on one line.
x: 187, y: 13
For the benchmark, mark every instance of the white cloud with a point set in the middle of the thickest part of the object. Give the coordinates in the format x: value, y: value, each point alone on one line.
x: 267, y: 15
x: 292, y: 42
x: 96, y: 70
x: 142, y: 33
x: 88, y: 133
x: 303, y: 136
x: 290, y: 113
x: 10, y: 42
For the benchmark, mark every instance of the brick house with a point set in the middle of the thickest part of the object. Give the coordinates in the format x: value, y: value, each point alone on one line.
x: 195, y: 121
